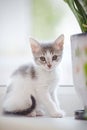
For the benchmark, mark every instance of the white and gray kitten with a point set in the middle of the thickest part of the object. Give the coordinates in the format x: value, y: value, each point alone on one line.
x: 32, y: 88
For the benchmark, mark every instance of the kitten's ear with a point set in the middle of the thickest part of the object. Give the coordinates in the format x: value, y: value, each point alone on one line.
x: 35, y: 46
x: 59, y: 42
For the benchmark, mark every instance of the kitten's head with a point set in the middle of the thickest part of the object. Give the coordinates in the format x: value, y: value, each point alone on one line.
x: 49, y: 55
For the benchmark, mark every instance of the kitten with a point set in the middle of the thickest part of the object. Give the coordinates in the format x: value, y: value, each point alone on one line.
x: 32, y: 88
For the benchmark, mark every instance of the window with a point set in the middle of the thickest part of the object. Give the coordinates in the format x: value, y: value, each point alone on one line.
x: 41, y: 19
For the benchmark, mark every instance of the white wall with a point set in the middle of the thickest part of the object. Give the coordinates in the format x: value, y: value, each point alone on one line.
x: 15, y: 26
x: 69, y: 100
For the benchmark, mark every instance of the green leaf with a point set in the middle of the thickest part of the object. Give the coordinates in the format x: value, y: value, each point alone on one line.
x: 86, y: 51
x: 85, y: 69
x: 79, y: 12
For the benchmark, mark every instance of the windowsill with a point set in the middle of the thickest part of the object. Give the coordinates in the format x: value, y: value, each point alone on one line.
x: 63, y: 89
x: 26, y: 123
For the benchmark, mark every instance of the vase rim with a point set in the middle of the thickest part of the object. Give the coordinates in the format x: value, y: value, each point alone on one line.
x: 79, y: 34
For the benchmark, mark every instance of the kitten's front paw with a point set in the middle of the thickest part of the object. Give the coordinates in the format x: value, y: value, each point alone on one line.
x: 58, y: 114
x: 61, y: 113
x: 32, y: 114
x: 40, y: 113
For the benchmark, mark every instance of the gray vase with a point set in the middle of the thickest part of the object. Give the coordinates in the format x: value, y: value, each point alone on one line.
x: 79, y: 65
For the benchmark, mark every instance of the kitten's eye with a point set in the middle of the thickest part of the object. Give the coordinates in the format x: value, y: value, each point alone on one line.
x: 54, y: 57
x: 42, y: 58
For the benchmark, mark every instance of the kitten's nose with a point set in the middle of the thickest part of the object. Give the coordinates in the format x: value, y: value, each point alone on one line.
x: 49, y: 65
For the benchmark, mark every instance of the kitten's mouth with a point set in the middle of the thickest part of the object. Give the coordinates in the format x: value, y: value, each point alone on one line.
x: 46, y: 68
x: 49, y: 68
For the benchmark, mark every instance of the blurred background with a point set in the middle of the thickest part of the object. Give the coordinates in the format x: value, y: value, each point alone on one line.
x: 44, y: 20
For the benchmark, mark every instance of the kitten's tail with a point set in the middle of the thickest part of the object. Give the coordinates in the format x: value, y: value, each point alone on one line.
x: 23, y: 112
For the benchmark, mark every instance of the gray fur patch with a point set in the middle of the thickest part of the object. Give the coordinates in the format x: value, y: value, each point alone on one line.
x: 23, y: 70
x: 32, y: 72
x: 26, y: 70
x: 47, y: 47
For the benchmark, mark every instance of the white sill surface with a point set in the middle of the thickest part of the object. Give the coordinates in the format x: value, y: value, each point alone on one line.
x: 69, y: 102
x: 26, y: 123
